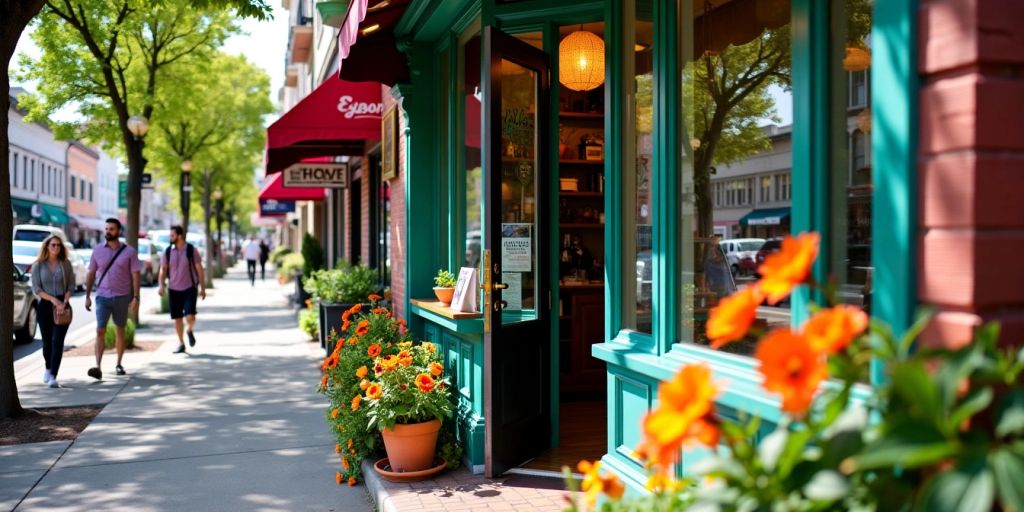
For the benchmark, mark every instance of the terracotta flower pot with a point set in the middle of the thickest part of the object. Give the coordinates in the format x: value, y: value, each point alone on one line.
x: 411, y: 447
x: 444, y: 294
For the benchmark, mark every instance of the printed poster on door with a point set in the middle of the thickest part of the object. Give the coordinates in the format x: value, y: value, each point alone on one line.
x: 513, y: 295
x: 516, y: 247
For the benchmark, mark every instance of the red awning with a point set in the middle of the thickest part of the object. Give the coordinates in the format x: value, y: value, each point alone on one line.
x: 367, y: 49
x: 335, y: 119
x: 274, y: 189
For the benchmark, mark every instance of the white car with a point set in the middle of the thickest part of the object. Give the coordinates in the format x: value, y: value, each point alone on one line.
x: 78, y: 264
x: 741, y: 253
x: 25, y: 254
x: 161, y: 238
x: 36, y: 233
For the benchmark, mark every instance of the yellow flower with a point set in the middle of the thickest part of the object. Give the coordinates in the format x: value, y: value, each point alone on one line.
x: 374, y: 391
x: 594, y: 484
x: 405, y: 344
x: 389, y: 363
x: 430, y: 347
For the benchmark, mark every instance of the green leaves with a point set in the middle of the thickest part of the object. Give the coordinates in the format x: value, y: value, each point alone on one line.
x: 1008, y: 469
x: 968, y: 487
x: 1010, y: 416
x: 909, y: 444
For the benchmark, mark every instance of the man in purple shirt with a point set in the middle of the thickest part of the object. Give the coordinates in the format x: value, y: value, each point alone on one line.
x: 181, y: 265
x: 117, y: 291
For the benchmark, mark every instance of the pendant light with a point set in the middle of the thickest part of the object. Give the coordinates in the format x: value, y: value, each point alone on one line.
x: 581, y: 61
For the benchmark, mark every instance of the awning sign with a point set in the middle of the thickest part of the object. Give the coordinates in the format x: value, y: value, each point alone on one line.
x: 765, y: 221
x: 310, y: 175
x: 275, y: 207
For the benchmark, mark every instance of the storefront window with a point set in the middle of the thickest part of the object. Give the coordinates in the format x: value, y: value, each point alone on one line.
x: 638, y: 155
x: 850, y: 178
x: 736, y: 154
x: 471, y: 94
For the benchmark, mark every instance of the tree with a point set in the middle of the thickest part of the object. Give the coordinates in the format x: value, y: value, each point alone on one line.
x: 15, y: 15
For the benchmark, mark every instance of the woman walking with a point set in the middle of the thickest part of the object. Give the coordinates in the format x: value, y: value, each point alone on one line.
x: 53, y: 281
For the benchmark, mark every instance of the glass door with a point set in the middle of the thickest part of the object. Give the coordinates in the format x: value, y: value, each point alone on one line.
x: 517, y: 311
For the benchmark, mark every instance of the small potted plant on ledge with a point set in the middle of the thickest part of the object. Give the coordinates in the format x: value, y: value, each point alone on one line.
x: 444, y: 286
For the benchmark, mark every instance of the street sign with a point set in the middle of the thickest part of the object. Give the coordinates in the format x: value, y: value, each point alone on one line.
x: 316, y: 175
x: 122, y: 193
x: 147, y: 178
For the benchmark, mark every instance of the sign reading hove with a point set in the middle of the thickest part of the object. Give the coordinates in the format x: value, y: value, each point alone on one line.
x: 319, y: 175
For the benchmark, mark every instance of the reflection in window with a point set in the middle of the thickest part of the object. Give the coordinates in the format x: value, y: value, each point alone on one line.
x: 736, y: 69
x: 471, y: 95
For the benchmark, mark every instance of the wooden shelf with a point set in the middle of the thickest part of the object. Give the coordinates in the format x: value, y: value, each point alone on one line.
x: 582, y: 162
x: 581, y: 115
x: 569, y: 193
x: 593, y: 225
x: 443, y: 310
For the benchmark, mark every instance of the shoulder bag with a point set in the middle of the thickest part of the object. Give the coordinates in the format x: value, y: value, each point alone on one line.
x: 64, y: 318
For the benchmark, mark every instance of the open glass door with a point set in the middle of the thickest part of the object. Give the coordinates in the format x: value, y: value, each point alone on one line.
x: 517, y: 310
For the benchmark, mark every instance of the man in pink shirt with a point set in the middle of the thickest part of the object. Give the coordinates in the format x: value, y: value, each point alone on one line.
x: 117, y: 291
x: 181, y: 265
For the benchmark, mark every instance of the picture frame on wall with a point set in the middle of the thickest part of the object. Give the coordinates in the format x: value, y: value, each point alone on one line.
x: 389, y: 144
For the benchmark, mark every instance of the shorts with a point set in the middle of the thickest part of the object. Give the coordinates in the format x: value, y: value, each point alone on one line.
x: 112, y: 306
x: 183, y: 302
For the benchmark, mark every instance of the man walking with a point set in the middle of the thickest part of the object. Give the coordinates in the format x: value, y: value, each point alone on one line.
x: 183, y: 269
x: 252, y: 255
x: 264, y: 256
x: 117, y: 291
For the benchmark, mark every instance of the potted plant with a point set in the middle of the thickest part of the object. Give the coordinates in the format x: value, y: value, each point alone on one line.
x: 444, y: 286
x: 335, y: 291
x: 407, y: 400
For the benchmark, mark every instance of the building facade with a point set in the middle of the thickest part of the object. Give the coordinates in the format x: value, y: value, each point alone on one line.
x: 86, y: 228
x: 38, y: 166
x: 106, y: 187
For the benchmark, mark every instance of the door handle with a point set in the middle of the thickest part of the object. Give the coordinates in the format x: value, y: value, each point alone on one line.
x: 500, y: 286
x: 500, y: 305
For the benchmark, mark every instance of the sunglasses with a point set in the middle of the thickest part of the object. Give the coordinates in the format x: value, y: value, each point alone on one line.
x: 55, y: 245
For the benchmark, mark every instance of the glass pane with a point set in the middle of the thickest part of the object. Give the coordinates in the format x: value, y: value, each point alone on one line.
x: 736, y: 160
x: 638, y: 154
x: 850, y: 212
x: 519, y: 165
x: 471, y: 95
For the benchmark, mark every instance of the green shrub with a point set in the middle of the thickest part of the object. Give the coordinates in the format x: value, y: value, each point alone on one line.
x: 445, y: 279
x: 129, y: 334
x: 165, y: 303
x: 346, y: 285
x: 312, y: 255
x: 279, y: 252
x: 309, y: 322
x: 290, y: 263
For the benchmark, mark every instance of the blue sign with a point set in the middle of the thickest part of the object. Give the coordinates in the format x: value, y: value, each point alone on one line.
x: 275, y: 207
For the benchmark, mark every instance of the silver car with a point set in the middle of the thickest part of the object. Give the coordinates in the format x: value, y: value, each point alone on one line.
x: 24, y: 313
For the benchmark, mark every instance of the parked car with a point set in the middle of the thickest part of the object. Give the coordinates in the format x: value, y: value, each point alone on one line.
x: 161, y: 239
x: 36, y: 233
x: 24, y: 313
x: 738, y: 249
x: 86, y: 255
x: 149, y: 257
x: 25, y: 254
x: 770, y: 247
x: 80, y: 266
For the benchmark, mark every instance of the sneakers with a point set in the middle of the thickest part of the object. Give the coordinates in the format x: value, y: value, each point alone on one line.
x: 119, y: 370
x: 191, y: 339
x: 95, y: 373
x: 47, y: 376
x: 180, y: 349
x: 54, y: 384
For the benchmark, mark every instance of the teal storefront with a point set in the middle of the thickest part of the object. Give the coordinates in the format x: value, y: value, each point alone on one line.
x: 569, y: 152
x: 30, y: 212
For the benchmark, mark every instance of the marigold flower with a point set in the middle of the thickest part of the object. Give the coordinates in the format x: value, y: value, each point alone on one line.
x: 335, y: 412
x: 337, y: 449
x: 791, y: 368
x: 356, y: 308
x: 355, y: 402
x: 362, y: 328
x: 789, y: 267
x: 373, y: 350
x: 351, y: 481
x: 363, y: 384
x: 346, y: 315
x: 430, y: 347
x: 344, y: 464
x: 323, y: 382
x: 338, y: 477
x: 353, y: 340
x: 380, y: 311
x: 684, y: 415
x: 436, y: 369
x: 374, y: 297
x: 332, y: 361
x: 374, y: 391
x: 350, y: 443
x: 831, y: 330
x: 732, y: 317
x: 345, y: 326
x: 425, y: 382
x: 594, y: 484
x: 389, y: 363
x: 405, y: 358
x: 405, y: 344
x: 361, y: 372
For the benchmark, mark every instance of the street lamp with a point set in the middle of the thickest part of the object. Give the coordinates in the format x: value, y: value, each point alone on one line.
x: 138, y: 125
x: 186, y: 189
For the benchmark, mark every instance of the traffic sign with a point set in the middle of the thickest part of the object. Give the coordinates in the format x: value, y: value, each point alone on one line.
x: 122, y: 193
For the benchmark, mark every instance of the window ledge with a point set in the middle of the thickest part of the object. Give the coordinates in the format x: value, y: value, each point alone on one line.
x: 438, y: 313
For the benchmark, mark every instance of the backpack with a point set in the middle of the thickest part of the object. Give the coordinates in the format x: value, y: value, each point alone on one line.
x: 191, y: 262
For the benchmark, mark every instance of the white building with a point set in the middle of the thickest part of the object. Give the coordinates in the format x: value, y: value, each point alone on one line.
x: 106, y: 178
x: 38, y: 170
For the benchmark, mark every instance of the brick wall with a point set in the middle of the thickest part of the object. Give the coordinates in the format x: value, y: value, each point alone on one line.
x: 364, y: 213
x: 971, y: 167
x: 398, y: 225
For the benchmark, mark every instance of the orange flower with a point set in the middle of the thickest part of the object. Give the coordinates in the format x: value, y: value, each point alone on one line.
x: 362, y: 328
x: 332, y: 361
x: 405, y: 358
x: 337, y: 449
x: 389, y: 363
x: 353, y: 340
x: 344, y: 464
x: 361, y: 372
x: 345, y: 326
x: 309, y: 303
x: 374, y: 391
x: 431, y: 348
x: 594, y: 484
x: 356, y: 308
x: 350, y: 443
x: 346, y: 315
x: 425, y: 382
x: 791, y: 368
x: 685, y: 413
x: 831, y: 330
x: 355, y: 402
x: 363, y: 384
x: 374, y: 297
x: 351, y: 481
x: 732, y: 317
x: 789, y: 267
x: 373, y: 350
x: 323, y: 382
x: 338, y: 478
x: 335, y: 412
x: 380, y: 311
x: 436, y: 369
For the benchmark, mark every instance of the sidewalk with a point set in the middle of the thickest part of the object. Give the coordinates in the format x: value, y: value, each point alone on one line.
x: 234, y: 425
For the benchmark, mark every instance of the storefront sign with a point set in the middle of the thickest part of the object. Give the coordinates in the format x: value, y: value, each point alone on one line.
x: 516, y: 247
x: 275, y: 207
x: 765, y: 221
x: 316, y: 175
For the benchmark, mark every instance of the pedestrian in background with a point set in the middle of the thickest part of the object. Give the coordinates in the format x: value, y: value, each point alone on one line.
x: 184, y: 271
x: 53, y: 281
x: 252, y: 255
x: 264, y: 256
x: 117, y: 291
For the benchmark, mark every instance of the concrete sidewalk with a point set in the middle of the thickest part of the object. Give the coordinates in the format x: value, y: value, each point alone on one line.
x: 234, y: 425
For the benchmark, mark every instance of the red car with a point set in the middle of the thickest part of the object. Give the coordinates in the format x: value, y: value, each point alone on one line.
x: 770, y: 247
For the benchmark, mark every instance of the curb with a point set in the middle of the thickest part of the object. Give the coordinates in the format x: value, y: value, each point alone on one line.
x: 376, y: 489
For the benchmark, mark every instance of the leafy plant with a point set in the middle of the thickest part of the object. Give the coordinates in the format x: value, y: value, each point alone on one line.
x: 445, y: 279
x: 409, y: 387
x: 312, y: 255
x: 948, y: 433
x: 348, y: 285
x: 289, y: 264
x: 309, y: 322
x: 279, y: 252
x: 110, y: 339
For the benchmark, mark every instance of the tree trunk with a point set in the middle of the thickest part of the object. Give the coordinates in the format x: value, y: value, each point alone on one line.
x: 207, y: 217
x: 186, y: 201
x: 14, y: 16
x: 136, y: 166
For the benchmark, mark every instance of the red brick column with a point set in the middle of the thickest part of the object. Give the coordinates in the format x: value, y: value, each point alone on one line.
x: 971, y: 163
x: 397, y: 230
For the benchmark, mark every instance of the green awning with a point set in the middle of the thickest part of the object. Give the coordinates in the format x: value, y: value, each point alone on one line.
x: 53, y: 214
x: 22, y: 208
x: 766, y: 217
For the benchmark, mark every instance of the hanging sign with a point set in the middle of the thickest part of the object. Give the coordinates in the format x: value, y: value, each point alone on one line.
x: 516, y: 247
x: 275, y: 207
x: 316, y: 175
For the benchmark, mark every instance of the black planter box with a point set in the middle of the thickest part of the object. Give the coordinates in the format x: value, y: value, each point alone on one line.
x: 330, y: 319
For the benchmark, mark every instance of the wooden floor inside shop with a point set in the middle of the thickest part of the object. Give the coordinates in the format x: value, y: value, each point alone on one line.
x: 583, y: 431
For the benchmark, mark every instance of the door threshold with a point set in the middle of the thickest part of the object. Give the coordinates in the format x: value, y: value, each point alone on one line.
x: 542, y: 473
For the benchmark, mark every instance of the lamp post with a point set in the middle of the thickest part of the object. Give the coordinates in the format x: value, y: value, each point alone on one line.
x: 138, y: 125
x: 186, y: 192
x: 218, y: 198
